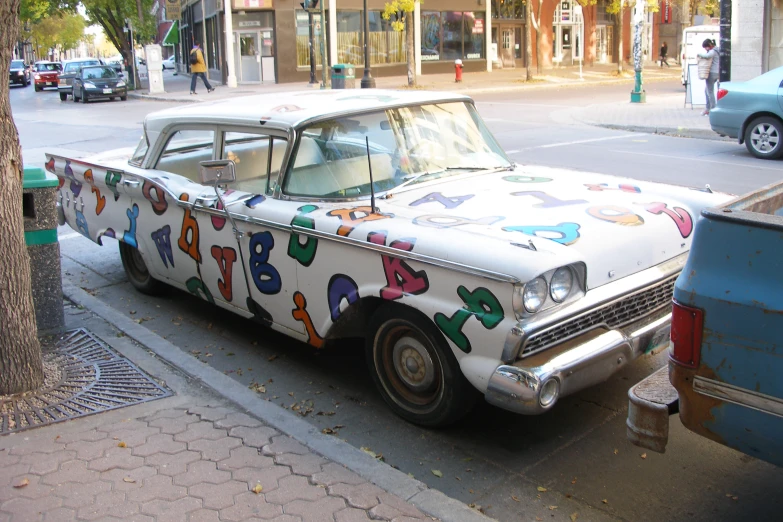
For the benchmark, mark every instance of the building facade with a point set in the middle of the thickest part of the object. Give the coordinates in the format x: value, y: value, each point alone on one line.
x: 270, y: 39
x: 756, y: 38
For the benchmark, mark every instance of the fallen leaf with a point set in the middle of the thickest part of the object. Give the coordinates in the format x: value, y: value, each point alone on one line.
x: 616, y: 451
x: 272, y: 358
x: 175, y: 323
x: 258, y: 488
x: 22, y: 483
x: 230, y: 354
x: 515, y: 499
x: 209, y: 326
x: 605, y: 501
x: 411, y: 475
x: 552, y: 508
x: 467, y: 459
x: 568, y: 495
x: 129, y: 480
x: 437, y: 473
x: 539, y: 518
x: 121, y: 445
x: 328, y: 431
x: 291, y: 394
x: 539, y: 488
x: 327, y: 413
x: 643, y: 455
x: 574, y: 516
x: 456, y: 477
x: 470, y: 491
x: 369, y: 451
x: 132, y: 312
x: 258, y: 388
x: 573, y: 481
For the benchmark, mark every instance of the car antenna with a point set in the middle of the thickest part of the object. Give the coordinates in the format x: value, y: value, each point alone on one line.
x: 369, y: 164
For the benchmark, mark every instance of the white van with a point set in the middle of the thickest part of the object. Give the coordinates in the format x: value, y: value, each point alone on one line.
x: 692, y: 38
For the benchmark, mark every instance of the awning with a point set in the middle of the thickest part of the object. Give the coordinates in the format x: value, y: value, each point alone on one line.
x: 172, y: 36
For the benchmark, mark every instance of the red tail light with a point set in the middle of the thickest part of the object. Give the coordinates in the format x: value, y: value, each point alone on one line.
x: 687, y: 326
x: 722, y: 93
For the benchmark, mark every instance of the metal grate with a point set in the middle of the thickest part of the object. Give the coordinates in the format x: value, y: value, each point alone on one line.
x: 614, y: 315
x: 84, y: 376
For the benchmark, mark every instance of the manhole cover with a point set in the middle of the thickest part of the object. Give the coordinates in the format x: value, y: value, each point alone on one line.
x: 85, y: 376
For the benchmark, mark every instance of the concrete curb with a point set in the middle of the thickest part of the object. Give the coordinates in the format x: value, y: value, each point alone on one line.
x: 677, y: 132
x: 430, y: 501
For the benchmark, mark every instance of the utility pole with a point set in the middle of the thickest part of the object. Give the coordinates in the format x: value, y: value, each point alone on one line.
x: 368, y: 82
x: 325, y: 69
x: 638, y: 95
x: 309, y: 5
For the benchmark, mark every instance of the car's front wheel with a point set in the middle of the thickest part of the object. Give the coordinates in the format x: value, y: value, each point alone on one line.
x: 37, y: 88
x: 764, y: 137
x: 137, y: 272
x: 83, y: 97
x: 414, y: 368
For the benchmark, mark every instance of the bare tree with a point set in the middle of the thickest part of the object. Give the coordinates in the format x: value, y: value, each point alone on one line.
x: 529, y: 43
x: 21, y: 366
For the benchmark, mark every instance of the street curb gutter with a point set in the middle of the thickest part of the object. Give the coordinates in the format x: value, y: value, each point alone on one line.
x: 430, y: 501
x: 702, y: 134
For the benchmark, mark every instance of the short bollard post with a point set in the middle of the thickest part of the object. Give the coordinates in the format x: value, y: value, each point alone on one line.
x: 457, y: 71
x: 39, y: 208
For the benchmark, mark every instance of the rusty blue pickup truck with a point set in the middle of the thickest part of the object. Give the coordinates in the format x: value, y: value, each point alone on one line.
x: 725, y: 371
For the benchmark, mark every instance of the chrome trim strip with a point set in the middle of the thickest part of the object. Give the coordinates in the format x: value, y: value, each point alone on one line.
x: 739, y: 396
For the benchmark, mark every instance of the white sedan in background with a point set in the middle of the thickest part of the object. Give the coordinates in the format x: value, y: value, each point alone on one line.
x: 170, y: 63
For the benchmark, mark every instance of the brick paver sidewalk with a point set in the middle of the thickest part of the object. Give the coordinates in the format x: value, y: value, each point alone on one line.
x: 192, y: 464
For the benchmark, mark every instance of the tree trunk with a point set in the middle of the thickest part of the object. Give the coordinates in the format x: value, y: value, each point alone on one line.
x: 539, y: 52
x: 619, y: 30
x: 410, y: 51
x: 529, y: 45
x: 21, y: 366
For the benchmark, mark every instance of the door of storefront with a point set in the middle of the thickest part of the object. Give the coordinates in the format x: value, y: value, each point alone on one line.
x: 601, y: 50
x: 507, y: 47
x: 254, y: 56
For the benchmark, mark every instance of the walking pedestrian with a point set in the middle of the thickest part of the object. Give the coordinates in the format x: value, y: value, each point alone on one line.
x: 664, y: 53
x: 197, y: 68
x: 711, y: 53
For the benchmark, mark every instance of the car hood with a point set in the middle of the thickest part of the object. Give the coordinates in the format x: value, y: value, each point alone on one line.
x: 540, y: 218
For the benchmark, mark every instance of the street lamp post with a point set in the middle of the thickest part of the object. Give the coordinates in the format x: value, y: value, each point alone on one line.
x: 638, y: 95
x: 368, y: 82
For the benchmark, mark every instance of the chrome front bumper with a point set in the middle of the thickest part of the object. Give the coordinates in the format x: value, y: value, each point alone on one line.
x: 534, y: 384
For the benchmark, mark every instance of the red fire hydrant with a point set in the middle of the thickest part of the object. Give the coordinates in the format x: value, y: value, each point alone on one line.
x: 458, y: 71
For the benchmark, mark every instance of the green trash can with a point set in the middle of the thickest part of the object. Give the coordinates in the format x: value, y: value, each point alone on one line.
x: 343, y: 76
x: 39, y: 209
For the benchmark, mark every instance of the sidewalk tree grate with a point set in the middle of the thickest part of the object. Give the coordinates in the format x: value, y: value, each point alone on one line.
x: 84, y: 376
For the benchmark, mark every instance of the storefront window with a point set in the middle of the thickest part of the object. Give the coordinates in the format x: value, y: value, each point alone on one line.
x: 452, y: 36
x: 430, y: 36
x: 303, y: 38
x: 386, y: 45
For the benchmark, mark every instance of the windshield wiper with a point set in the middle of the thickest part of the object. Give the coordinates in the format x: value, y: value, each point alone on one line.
x: 474, y: 168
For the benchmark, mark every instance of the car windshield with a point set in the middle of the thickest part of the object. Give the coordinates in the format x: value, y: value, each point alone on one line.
x: 98, y: 73
x: 17, y: 64
x: 407, y: 145
x: 46, y: 67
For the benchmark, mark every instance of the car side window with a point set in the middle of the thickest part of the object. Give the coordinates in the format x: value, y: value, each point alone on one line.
x: 255, y: 156
x: 184, y: 151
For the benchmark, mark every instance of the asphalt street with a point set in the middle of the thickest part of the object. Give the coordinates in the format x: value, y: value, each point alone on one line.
x: 572, y: 460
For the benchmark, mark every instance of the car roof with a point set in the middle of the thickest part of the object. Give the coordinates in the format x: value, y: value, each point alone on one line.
x: 79, y: 60
x: 287, y: 110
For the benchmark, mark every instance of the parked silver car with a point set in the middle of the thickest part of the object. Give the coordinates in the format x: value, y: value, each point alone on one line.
x: 752, y: 112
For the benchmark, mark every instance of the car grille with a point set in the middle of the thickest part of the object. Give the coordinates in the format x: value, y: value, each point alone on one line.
x: 617, y: 314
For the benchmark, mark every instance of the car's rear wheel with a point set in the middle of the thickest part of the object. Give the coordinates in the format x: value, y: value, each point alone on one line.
x: 764, y: 137
x: 63, y: 96
x: 137, y: 272
x: 124, y: 98
x: 414, y: 368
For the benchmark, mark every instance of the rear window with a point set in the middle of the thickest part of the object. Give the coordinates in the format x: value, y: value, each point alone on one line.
x: 17, y: 64
x: 75, y: 66
x: 47, y: 67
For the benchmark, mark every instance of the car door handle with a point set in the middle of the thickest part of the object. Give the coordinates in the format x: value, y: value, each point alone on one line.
x: 130, y: 182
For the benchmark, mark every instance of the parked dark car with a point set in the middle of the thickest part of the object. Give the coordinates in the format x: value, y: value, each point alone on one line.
x: 20, y: 73
x: 45, y: 74
x: 70, y: 71
x: 98, y: 81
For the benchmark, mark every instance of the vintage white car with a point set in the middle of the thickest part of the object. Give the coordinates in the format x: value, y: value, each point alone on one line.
x: 465, y: 273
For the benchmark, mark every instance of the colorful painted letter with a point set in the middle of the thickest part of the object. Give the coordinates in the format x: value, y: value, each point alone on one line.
x: 613, y: 214
x: 482, y: 304
x: 680, y: 216
x: 129, y: 236
x: 563, y: 233
x: 188, y: 238
x: 156, y: 196
x: 447, y: 202
x: 100, y: 201
x: 441, y: 221
x: 341, y: 287
x: 600, y: 187
x: 265, y: 276
x: 300, y: 313
x: 304, y: 252
x: 162, y: 240
x: 112, y: 180
x: 225, y: 258
x: 197, y: 287
x: 547, y: 201
x: 526, y: 179
x: 401, y: 279
x: 350, y: 218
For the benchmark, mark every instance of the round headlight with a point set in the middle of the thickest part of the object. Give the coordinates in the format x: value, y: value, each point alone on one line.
x: 549, y: 392
x: 560, y: 286
x: 534, y: 296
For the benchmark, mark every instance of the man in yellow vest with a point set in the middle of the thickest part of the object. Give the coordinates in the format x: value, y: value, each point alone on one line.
x: 197, y: 68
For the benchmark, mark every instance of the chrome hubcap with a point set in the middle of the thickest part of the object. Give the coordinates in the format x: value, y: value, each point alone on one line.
x: 413, y: 364
x: 765, y: 137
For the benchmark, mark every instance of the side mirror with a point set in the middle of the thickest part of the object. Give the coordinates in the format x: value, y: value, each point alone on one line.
x: 217, y: 172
